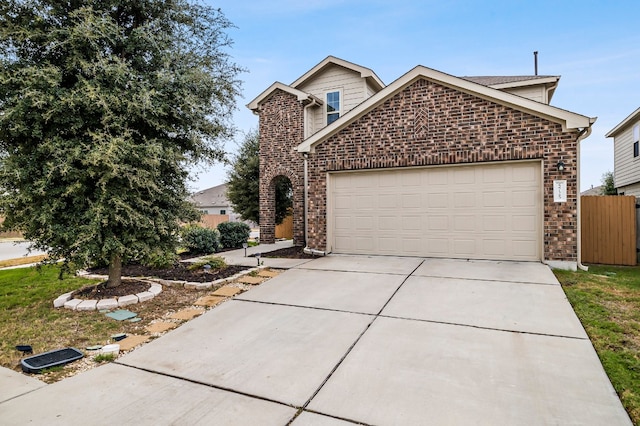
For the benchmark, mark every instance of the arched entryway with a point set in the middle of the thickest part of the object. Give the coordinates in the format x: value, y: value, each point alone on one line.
x: 280, y: 194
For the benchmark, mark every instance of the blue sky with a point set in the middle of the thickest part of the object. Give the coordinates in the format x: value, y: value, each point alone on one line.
x: 593, y: 45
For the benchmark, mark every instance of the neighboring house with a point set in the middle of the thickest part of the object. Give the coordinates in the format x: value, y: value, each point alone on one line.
x: 431, y: 165
x: 626, y: 155
x: 214, y: 201
x: 594, y: 190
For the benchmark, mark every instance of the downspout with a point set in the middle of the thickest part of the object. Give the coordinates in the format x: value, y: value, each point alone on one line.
x: 306, y: 198
x: 583, y: 135
x: 305, y: 155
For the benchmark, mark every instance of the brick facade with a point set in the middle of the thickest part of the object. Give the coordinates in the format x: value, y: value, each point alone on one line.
x: 425, y: 124
x: 281, y: 131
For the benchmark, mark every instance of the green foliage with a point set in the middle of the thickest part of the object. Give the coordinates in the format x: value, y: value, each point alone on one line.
x: 606, y: 299
x: 199, y: 240
x: 105, y: 106
x: 100, y: 358
x: 233, y: 234
x: 161, y: 259
x: 243, y: 187
x: 608, y: 185
x: 215, y: 262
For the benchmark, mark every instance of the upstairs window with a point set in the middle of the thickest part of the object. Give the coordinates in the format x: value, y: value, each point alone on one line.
x: 333, y: 106
x: 636, y: 140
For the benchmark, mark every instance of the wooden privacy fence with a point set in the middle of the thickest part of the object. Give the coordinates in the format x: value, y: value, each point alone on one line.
x: 213, y: 220
x: 285, y: 229
x: 609, y: 229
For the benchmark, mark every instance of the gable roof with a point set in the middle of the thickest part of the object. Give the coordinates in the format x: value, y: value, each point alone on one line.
x: 505, y: 81
x: 253, y: 105
x: 567, y: 119
x: 364, y: 72
x: 635, y: 115
x: 210, y: 197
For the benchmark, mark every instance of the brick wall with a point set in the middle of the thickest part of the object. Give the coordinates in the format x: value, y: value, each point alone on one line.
x: 281, y: 131
x: 430, y: 124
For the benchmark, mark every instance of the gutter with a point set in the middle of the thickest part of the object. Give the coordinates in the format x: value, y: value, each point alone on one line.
x: 583, y: 135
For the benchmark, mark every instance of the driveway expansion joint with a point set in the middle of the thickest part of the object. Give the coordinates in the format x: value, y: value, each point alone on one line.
x: 484, y: 328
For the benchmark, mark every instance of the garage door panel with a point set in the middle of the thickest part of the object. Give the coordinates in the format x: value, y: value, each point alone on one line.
x: 465, y: 176
x: 494, y: 223
x: 387, y: 201
x: 526, y: 223
x: 411, y: 224
x: 482, y: 212
x: 411, y: 201
x: 437, y: 223
x: 437, y: 200
x: 464, y: 248
x: 462, y: 200
x: 365, y: 223
x: 464, y: 223
x: 493, y: 199
x: 524, y: 198
x: 493, y: 175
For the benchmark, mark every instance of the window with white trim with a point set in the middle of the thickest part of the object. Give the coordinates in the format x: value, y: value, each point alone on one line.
x: 636, y: 140
x: 333, y: 106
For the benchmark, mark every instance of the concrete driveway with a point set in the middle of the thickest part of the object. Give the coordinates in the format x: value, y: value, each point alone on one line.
x: 355, y: 339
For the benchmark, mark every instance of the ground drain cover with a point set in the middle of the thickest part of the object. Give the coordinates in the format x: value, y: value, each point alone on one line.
x: 37, y: 363
x: 122, y: 315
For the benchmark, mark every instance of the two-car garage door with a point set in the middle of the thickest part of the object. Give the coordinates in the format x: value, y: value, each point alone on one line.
x: 472, y: 212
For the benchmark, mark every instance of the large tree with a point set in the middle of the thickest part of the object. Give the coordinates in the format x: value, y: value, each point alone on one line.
x: 243, y: 188
x: 104, y: 107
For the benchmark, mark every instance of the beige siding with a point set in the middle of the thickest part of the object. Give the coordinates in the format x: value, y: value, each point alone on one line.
x: 633, y: 189
x: 349, y: 83
x: 537, y: 94
x: 627, y: 168
x: 370, y: 91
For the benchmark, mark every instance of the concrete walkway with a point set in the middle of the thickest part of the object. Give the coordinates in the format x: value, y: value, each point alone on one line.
x: 356, y: 340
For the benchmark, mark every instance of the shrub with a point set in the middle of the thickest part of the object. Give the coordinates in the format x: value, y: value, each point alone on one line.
x: 199, y: 240
x: 233, y: 234
x: 215, y: 262
x: 160, y: 259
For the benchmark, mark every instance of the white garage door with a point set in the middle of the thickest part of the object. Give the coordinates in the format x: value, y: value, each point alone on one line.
x: 470, y: 212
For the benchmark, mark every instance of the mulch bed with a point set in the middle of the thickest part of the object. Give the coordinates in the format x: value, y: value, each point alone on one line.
x: 288, y: 253
x: 98, y: 292
x: 179, y: 272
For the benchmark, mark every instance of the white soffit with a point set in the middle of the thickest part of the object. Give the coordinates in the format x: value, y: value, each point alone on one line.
x: 253, y: 105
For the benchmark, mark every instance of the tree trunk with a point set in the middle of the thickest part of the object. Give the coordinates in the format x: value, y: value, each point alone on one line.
x: 115, y: 272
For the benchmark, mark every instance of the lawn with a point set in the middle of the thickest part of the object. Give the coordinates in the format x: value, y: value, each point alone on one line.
x: 27, y: 316
x: 607, y: 301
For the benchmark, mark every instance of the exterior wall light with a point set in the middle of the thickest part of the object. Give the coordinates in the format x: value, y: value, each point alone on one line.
x: 560, y: 166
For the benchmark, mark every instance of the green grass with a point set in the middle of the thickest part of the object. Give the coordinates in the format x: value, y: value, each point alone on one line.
x: 215, y: 262
x: 100, y: 358
x: 607, y: 301
x: 27, y: 315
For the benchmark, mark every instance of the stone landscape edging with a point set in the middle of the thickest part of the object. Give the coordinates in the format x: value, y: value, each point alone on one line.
x: 65, y: 300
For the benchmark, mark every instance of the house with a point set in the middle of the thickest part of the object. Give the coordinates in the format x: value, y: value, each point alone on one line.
x: 430, y: 165
x: 213, y: 201
x: 594, y: 190
x: 626, y: 155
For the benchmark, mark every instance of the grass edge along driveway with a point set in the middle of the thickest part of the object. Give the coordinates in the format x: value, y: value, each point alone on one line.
x: 606, y: 299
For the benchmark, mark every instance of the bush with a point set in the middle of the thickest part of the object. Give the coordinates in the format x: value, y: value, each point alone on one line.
x: 160, y: 259
x: 216, y: 263
x: 199, y: 240
x: 233, y: 234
